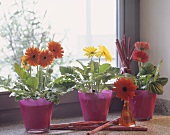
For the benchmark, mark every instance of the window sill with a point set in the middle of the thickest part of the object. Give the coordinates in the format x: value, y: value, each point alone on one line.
x: 69, y: 106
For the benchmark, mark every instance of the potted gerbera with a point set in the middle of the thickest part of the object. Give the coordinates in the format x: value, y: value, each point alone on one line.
x: 91, y: 82
x: 148, y: 81
x: 35, y: 86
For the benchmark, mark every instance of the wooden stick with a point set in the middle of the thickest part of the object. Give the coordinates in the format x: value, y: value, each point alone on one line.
x: 80, y: 123
x: 103, y: 126
x: 129, y: 46
x: 125, y: 128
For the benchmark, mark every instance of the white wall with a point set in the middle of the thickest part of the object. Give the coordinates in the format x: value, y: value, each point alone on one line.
x: 155, y: 29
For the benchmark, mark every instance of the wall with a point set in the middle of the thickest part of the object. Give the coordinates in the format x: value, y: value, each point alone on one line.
x: 154, y: 29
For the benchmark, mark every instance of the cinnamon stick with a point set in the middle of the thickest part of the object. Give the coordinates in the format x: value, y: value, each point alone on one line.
x: 73, y: 124
x: 103, y: 126
x: 125, y: 128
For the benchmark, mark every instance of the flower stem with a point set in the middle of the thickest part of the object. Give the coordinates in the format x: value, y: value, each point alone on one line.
x: 38, y: 76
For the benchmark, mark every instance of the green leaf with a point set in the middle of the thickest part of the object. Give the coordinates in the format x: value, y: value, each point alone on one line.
x: 92, y: 66
x: 64, y: 82
x: 162, y: 80
x: 155, y: 87
x: 157, y: 71
x: 32, y: 82
x: 104, y: 67
x: 147, y: 69
x: 84, y: 67
x: 21, y: 72
x: 145, y: 79
x: 67, y: 69
x: 132, y: 77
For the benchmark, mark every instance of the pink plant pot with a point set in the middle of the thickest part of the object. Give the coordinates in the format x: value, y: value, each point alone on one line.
x: 143, y: 105
x: 36, y: 115
x: 95, y: 106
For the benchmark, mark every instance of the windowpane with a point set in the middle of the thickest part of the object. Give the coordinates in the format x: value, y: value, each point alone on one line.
x: 80, y: 22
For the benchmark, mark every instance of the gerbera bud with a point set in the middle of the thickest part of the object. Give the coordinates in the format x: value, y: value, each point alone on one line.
x: 50, y: 70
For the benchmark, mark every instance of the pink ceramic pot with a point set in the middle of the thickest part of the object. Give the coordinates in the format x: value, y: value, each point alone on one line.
x: 95, y: 106
x: 36, y: 115
x: 143, y: 105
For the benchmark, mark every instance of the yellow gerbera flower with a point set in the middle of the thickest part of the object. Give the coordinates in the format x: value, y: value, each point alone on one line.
x: 24, y: 63
x: 90, y: 51
x: 105, y: 53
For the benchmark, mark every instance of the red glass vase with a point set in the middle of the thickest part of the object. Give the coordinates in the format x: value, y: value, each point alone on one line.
x: 143, y: 105
x: 95, y: 106
x: 36, y: 115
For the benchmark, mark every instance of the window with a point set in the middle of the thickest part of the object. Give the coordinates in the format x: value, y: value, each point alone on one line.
x: 79, y: 22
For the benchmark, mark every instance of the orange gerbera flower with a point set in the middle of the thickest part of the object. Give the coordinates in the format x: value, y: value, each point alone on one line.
x: 142, y: 46
x: 124, y: 88
x: 45, y: 58
x: 56, y: 49
x: 31, y: 56
x: 140, y: 56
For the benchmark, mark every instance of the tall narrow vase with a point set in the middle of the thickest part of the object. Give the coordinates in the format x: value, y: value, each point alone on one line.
x: 143, y: 105
x: 36, y: 115
x: 95, y: 106
x: 127, y: 118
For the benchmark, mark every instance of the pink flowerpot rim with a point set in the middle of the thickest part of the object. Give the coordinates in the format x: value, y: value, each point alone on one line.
x: 103, y: 91
x: 36, y: 102
x: 144, y: 91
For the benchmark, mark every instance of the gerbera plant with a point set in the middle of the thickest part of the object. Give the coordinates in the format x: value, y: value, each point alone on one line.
x: 94, y: 76
x: 148, y: 77
x: 35, y: 78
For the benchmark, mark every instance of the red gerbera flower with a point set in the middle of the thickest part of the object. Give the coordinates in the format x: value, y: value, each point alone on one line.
x: 45, y: 58
x: 124, y: 88
x: 31, y: 56
x: 56, y: 49
x: 140, y: 56
x: 142, y: 46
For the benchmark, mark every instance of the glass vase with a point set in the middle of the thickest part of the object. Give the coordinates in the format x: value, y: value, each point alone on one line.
x: 126, y: 118
x: 36, y: 115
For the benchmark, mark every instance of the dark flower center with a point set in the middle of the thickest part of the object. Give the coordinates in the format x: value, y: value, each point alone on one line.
x: 33, y: 56
x: 54, y: 50
x: 124, y: 89
x: 45, y: 57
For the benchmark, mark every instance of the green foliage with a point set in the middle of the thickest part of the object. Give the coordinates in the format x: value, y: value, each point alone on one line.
x: 38, y: 85
x: 92, y: 76
x: 5, y: 81
x: 149, y: 78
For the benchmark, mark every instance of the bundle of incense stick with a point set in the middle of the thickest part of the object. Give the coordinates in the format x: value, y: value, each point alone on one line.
x: 125, y: 50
